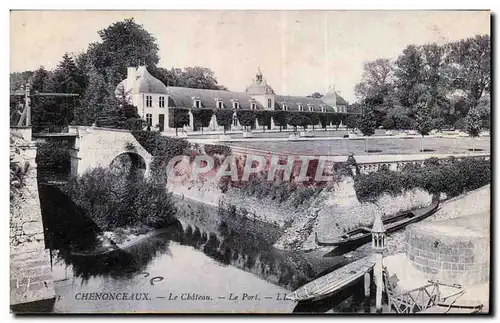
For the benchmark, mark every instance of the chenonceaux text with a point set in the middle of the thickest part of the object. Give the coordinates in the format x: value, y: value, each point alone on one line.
x: 105, y: 296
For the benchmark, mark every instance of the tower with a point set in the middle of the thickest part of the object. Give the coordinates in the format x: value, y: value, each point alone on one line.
x: 261, y: 91
x: 378, y: 246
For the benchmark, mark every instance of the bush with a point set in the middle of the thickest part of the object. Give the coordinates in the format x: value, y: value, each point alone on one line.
x: 451, y: 177
x: 264, y: 118
x: 367, y: 123
x: 202, y: 117
x: 388, y: 124
x: 217, y: 149
x: 114, y: 199
x: 296, y: 119
x: 280, y: 118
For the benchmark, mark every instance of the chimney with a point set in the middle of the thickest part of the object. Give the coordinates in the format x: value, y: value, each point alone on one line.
x: 131, y: 73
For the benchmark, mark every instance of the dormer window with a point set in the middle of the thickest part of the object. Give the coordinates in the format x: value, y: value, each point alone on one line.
x: 300, y: 107
x: 236, y: 105
x: 253, y: 106
x: 196, y: 103
x: 285, y: 107
x: 220, y: 104
x: 323, y: 108
x: 310, y: 107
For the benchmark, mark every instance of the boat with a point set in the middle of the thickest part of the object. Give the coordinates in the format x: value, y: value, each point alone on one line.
x: 363, y: 234
x: 333, y: 282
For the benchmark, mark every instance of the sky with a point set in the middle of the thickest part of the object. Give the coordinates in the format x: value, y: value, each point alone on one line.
x: 299, y: 52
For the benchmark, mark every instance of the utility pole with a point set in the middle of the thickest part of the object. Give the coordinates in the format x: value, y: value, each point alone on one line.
x: 378, y: 246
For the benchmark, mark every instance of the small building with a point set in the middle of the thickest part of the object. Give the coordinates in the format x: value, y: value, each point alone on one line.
x: 153, y: 100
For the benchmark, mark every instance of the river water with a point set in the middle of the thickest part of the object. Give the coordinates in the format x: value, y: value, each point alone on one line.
x: 208, y: 261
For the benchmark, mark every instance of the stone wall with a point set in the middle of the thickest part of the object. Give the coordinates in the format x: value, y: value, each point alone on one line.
x: 451, y: 251
x: 30, y: 278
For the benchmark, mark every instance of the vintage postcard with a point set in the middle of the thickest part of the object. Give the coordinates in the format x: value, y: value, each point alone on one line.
x: 250, y: 162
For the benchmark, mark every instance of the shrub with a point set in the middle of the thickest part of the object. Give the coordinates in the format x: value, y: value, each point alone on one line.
x: 453, y: 178
x: 367, y: 123
x: 114, y: 199
x: 217, y: 149
x: 280, y: 118
x: 351, y: 121
x: 388, y: 123
x: 264, y: 118
x: 296, y: 119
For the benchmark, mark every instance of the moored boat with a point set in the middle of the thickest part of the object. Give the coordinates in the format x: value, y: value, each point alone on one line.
x: 363, y: 234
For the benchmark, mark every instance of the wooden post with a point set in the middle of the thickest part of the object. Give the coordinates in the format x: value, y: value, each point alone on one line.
x: 367, y: 284
x: 28, y: 106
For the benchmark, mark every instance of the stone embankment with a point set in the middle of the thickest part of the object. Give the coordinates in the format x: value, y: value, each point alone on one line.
x: 30, y: 278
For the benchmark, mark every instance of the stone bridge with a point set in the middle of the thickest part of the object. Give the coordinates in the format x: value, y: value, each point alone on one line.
x: 93, y: 147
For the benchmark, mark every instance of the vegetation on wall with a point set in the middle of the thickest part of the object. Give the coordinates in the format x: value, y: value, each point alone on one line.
x: 452, y: 177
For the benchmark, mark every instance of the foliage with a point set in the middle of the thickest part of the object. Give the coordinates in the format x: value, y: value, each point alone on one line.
x: 313, y: 117
x: 202, y: 117
x: 298, y: 119
x: 18, y: 174
x: 246, y: 117
x: 52, y: 159
x: 113, y: 199
x: 352, y: 121
x: 323, y: 119
x: 264, y: 118
x: 224, y: 118
x: 280, y: 118
x: 315, y: 95
x: 424, y: 124
x: 192, y: 77
x: 217, y: 149
x: 460, y: 124
x: 388, y: 123
x: 451, y: 177
x: 162, y: 148
x: 178, y: 117
x: 366, y: 122
x: 473, y: 122
x: 135, y: 124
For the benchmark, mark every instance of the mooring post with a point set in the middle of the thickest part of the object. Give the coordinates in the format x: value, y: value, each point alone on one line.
x: 366, y: 302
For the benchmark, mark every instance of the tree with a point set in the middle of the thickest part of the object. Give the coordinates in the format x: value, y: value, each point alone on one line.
x: 315, y: 95
x: 351, y: 122
x: 424, y: 125
x: 470, y: 67
x: 264, y: 118
x: 376, y: 82
x: 323, y: 119
x: 124, y: 43
x: 224, y: 118
x: 193, y: 77
x: 388, y: 124
x: 246, y: 118
x: 473, y: 123
x: 202, y: 117
x: 92, y: 101
x: 313, y: 117
x: 367, y: 124
x: 296, y: 119
x: 409, y: 77
x: 280, y: 118
x: 178, y: 118
x: 111, y: 114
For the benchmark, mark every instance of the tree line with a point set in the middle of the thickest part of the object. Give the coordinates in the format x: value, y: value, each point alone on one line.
x: 94, y: 75
x: 430, y: 87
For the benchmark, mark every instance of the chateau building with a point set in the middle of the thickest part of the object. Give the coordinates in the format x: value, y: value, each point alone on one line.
x: 153, y: 99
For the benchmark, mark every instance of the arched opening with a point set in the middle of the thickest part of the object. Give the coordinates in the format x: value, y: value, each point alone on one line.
x: 129, y: 163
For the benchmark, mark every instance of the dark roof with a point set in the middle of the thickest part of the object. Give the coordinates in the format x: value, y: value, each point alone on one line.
x: 293, y: 102
x: 183, y: 97
x: 329, y: 97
